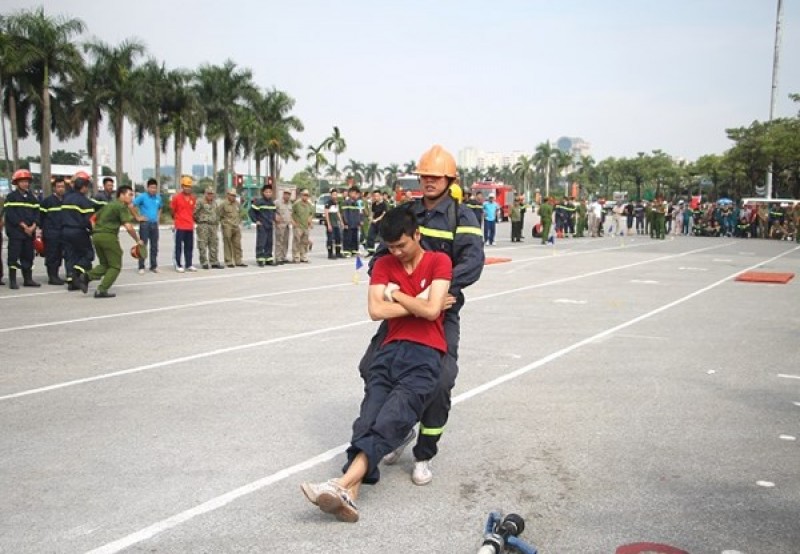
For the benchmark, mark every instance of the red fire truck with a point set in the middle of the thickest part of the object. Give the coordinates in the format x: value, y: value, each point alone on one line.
x: 407, y: 183
x: 503, y: 195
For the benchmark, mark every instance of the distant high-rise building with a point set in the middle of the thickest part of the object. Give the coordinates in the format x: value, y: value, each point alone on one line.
x: 202, y: 170
x: 468, y: 157
x: 471, y: 158
x: 166, y: 171
x: 574, y: 146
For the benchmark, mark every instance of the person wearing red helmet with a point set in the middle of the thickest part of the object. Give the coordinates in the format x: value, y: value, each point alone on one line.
x: 76, y: 231
x: 22, y: 221
x: 52, y: 221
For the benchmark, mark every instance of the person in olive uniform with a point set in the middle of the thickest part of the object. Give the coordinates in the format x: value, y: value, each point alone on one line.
x: 546, y: 215
x: 230, y: 217
x: 114, y: 215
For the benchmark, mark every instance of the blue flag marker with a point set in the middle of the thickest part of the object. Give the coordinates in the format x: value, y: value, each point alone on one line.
x: 359, y: 263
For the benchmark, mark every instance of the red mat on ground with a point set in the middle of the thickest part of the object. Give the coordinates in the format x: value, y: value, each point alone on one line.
x: 765, y: 277
x: 490, y: 261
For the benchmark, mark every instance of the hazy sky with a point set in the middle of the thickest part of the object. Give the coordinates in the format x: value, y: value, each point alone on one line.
x: 396, y: 77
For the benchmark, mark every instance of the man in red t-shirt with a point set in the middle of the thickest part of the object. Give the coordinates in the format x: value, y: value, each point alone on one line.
x: 182, y: 205
x: 409, y: 290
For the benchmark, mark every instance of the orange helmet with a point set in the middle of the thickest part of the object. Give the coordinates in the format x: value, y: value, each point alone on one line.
x: 21, y: 175
x: 81, y: 179
x: 186, y: 181
x: 437, y: 162
x: 38, y: 245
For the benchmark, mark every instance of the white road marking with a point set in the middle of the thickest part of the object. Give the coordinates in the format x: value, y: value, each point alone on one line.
x: 227, y: 498
x: 180, y: 360
x: 796, y: 404
x: 787, y: 376
x: 211, y: 353
x: 721, y: 260
x: 568, y: 301
x: 170, y: 308
x: 711, y: 371
x: 644, y: 281
x: 693, y: 268
x: 787, y: 437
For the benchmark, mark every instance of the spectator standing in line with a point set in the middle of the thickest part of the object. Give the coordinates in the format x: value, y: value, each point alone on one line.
x: 378, y: 209
x: 182, y: 206
x: 283, y: 227
x: 333, y: 226
x: 262, y: 212
x: 490, y: 208
x: 302, y: 220
x: 206, y: 217
x: 51, y: 209
x: 105, y: 195
x: 230, y: 217
x: 147, y: 210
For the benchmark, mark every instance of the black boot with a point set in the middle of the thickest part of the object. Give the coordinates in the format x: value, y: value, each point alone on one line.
x: 27, y: 279
x: 12, y: 278
x: 53, y: 278
x: 330, y: 253
x: 339, y: 252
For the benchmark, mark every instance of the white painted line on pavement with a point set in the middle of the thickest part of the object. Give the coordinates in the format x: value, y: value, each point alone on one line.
x: 568, y: 301
x: 721, y: 260
x: 200, y: 355
x: 787, y: 437
x: 180, y: 360
x: 170, y: 308
x: 767, y: 484
x: 693, y: 268
x: 227, y: 498
x: 796, y: 404
x: 644, y: 281
x: 787, y: 376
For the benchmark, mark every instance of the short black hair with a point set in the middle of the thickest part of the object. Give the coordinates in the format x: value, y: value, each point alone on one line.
x: 265, y: 187
x: 354, y: 188
x: 107, y: 179
x: 152, y: 181
x: 59, y: 179
x: 397, y: 222
x: 123, y: 189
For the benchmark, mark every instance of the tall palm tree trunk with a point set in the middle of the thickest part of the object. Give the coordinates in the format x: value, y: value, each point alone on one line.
x: 93, y: 149
x: 157, y: 153
x: 119, y: 122
x: 12, y: 116
x: 45, y: 145
x: 215, y: 164
x: 178, y: 160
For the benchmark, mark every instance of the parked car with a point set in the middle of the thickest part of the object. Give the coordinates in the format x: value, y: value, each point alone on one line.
x: 320, y: 207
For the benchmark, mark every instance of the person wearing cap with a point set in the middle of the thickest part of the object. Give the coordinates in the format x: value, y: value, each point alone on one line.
x: 490, y: 208
x: 262, y: 212
x: 52, y: 223
x: 450, y: 227
x: 378, y: 209
x: 22, y: 219
x: 230, y: 217
x: 76, y: 229
x: 114, y: 215
x: 333, y: 226
x: 351, y: 220
x: 302, y: 220
x: 283, y: 226
x: 182, y: 205
x: 546, y: 218
x: 206, y: 217
x: 147, y: 210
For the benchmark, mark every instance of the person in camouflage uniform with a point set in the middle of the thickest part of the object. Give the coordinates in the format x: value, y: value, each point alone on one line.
x: 230, y: 218
x: 207, y: 219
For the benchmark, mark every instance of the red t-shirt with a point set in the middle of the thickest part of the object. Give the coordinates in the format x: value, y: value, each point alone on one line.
x: 183, y: 211
x: 434, y: 265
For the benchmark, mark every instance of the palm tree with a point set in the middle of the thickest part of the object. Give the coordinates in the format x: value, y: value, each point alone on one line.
x: 586, y: 170
x: 410, y: 167
x: 278, y: 124
x: 355, y: 170
x: 117, y: 63
x: 390, y: 173
x: 182, y: 114
x: 318, y: 160
x: 224, y: 91
x: 46, y: 43
x: 336, y: 144
x: 544, y: 160
x: 90, y: 97
x: 372, y: 173
x: 14, y: 62
x: 524, y: 170
x: 151, y: 78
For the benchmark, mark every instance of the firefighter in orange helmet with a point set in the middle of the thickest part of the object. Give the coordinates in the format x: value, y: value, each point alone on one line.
x: 22, y: 221
x: 76, y: 213
x: 445, y: 225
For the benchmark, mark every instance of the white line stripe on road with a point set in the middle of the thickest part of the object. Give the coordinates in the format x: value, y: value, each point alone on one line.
x: 211, y: 353
x: 786, y: 376
x: 227, y: 498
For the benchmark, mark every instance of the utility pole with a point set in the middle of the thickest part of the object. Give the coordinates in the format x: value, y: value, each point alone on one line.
x: 775, y: 62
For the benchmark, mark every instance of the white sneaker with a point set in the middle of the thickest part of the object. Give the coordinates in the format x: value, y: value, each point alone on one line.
x: 392, y: 457
x: 141, y: 272
x: 422, y: 474
x: 179, y: 269
x: 191, y: 268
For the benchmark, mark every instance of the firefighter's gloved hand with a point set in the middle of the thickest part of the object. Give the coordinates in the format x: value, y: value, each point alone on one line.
x: 390, y: 288
x: 425, y: 294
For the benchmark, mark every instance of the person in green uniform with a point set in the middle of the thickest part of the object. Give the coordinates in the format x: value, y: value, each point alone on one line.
x: 105, y: 237
x: 302, y: 220
x: 516, y: 220
x: 581, y: 224
x: 659, y: 219
x: 546, y: 215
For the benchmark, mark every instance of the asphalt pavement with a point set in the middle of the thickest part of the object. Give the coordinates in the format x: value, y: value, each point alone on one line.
x: 612, y: 391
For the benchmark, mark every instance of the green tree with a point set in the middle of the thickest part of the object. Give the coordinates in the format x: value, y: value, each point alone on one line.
x: 90, y: 97
x: 148, y: 117
x: 47, y: 44
x: 524, y: 170
x: 372, y: 172
x: 317, y: 157
x: 182, y: 114
x: 354, y: 170
x: 390, y: 173
x: 544, y: 160
x: 336, y: 144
